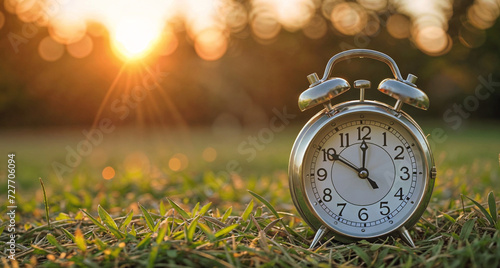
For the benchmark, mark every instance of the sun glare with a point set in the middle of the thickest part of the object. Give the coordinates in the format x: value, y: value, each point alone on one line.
x: 135, y: 38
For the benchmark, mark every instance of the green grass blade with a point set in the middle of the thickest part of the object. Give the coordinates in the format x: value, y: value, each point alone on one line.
x: 483, y: 210
x: 94, y: 220
x: 149, y: 220
x: 247, y: 211
x: 204, y: 209
x: 210, y: 235
x: 106, y: 218
x: 126, y: 221
x: 449, y: 218
x: 162, y: 231
x: 362, y: 254
x: 68, y: 234
x: 227, y: 214
x: 53, y: 241
x: 191, y: 230
x: 144, y: 242
x: 133, y: 231
x: 492, y: 205
x: 467, y: 229
x: 179, y: 210
x: 45, y: 202
x: 163, y: 209
x: 152, y: 257
x: 100, y: 245
x: 266, y: 203
x: 195, y: 209
x: 226, y: 230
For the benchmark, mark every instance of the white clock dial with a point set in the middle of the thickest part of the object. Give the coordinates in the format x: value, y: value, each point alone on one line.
x: 364, y: 174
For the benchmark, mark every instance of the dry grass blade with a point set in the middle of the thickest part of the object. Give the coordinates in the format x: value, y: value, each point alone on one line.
x: 80, y: 240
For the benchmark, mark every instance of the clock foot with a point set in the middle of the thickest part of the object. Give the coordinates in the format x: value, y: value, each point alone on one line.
x: 405, y: 236
x: 317, y: 237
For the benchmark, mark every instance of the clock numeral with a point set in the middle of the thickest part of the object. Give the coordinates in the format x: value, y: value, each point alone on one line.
x: 366, y: 136
x: 322, y: 174
x: 362, y: 215
x: 383, y: 205
x: 385, y: 138
x: 342, y: 209
x: 399, y: 193
x: 401, y: 151
x: 342, y: 136
x: 405, y: 170
x: 327, y: 195
x: 328, y: 154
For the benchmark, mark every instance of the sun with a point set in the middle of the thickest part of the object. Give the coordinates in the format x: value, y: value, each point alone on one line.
x: 135, y: 38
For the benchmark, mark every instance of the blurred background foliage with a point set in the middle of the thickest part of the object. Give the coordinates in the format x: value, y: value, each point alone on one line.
x: 228, y: 63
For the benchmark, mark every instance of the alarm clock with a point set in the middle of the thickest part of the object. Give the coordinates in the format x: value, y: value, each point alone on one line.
x: 361, y: 169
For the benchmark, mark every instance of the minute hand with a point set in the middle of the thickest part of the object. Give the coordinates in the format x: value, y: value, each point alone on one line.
x: 351, y: 165
x: 346, y: 162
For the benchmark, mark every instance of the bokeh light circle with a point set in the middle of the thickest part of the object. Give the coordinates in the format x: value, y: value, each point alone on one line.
x: 348, y: 18
x: 178, y: 162
x: 108, y: 173
x: 398, y: 26
x: 67, y: 28
x: 209, y: 154
x: 316, y: 28
x: 50, y: 50
x: 211, y: 44
x: 433, y: 40
x: 82, y: 48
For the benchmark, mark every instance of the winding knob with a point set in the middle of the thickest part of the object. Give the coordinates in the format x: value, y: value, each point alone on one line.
x: 362, y: 85
x: 321, y: 91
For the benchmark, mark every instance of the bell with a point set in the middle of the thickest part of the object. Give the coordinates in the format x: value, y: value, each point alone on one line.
x: 404, y: 92
x: 321, y: 91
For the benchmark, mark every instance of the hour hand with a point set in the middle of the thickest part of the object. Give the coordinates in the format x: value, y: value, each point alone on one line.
x: 372, y: 183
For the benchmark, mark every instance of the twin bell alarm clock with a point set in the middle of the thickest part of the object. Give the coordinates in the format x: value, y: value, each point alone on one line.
x: 361, y: 169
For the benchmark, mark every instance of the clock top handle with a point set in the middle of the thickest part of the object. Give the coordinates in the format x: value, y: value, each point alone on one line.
x: 404, y: 91
x: 362, y: 53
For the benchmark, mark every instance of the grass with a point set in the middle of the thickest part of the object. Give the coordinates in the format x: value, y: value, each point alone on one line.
x: 148, y: 215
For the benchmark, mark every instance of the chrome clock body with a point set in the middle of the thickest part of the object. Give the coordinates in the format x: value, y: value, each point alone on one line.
x: 361, y: 169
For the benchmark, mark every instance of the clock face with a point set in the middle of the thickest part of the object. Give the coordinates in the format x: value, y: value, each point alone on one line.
x: 364, y: 174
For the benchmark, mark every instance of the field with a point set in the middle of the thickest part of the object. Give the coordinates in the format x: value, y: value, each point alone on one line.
x: 192, y: 199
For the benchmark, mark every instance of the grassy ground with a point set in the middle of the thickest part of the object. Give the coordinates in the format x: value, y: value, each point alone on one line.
x: 170, y: 204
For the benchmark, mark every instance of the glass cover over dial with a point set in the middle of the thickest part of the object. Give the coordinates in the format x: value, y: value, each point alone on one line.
x: 364, y: 174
